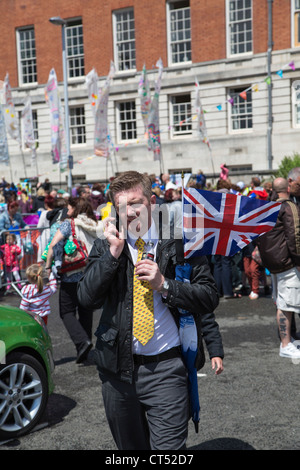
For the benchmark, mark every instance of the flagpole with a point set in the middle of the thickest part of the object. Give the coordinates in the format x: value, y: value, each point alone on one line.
x: 10, y: 170
x: 106, y: 169
x: 36, y: 162
x: 2, y: 120
x: 161, y: 163
x: 23, y: 158
x: 116, y: 162
x: 112, y: 166
x: 212, y: 164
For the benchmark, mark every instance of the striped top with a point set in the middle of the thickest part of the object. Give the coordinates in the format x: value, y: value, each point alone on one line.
x: 36, y: 302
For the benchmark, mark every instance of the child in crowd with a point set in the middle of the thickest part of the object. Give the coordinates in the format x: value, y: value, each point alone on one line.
x: 10, y: 252
x: 36, y: 294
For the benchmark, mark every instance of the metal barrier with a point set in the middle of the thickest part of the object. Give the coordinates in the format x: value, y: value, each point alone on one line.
x: 29, y: 243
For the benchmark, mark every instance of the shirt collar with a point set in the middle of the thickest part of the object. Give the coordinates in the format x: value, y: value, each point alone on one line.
x: 151, y: 235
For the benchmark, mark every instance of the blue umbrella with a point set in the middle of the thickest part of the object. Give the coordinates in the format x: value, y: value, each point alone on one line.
x: 189, y: 343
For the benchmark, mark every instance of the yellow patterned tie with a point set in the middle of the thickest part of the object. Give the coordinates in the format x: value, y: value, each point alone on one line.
x: 143, y: 311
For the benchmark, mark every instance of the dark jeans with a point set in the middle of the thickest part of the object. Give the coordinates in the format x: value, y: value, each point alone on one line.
x: 79, y: 329
x: 223, y: 275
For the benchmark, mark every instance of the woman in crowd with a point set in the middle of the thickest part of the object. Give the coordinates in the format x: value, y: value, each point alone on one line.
x: 11, y: 219
x: 87, y: 229
x: 25, y: 203
x: 39, y: 200
x: 44, y: 225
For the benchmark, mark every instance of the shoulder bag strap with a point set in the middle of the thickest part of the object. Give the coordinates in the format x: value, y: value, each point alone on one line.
x: 73, y: 228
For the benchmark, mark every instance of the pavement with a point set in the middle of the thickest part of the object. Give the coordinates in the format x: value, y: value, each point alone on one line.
x: 252, y: 405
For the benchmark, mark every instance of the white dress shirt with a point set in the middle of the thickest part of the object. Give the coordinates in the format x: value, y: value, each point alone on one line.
x: 166, y: 334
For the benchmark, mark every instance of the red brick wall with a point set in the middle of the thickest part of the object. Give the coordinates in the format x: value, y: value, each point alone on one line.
x: 260, y: 26
x: 208, y: 31
x: 281, y: 24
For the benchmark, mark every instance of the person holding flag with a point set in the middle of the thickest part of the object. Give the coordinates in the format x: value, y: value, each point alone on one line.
x: 131, y: 274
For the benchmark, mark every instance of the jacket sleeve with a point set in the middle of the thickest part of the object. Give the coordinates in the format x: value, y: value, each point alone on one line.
x: 291, y: 223
x: 18, y: 250
x: 4, y: 221
x: 98, y: 276
x: 25, y: 304
x: 20, y: 220
x: 200, y: 295
x: 211, y: 335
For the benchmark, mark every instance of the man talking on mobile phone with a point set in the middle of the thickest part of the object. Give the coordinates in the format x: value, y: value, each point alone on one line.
x: 144, y: 379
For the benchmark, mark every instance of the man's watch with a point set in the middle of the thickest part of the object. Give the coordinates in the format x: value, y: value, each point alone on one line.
x: 165, y: 288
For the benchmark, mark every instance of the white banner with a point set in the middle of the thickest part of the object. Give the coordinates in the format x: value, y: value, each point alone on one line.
x: 145, y: 97
x: 58, y: 142
x: 11, y: 119
x: 28, y: 140
x: 101, y: 134
x: 93, y: 90
x: 153, y: 119
x: 200, y: 114
x: 4, y: 155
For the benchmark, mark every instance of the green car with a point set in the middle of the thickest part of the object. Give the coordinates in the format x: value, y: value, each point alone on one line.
x: 26, y: 366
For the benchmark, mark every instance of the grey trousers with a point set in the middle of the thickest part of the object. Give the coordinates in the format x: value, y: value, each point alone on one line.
x: 153, y: 411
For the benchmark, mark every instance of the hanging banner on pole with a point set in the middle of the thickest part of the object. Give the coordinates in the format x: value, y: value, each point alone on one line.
x: 28, y: 140
x: 93, y: 90
x: 145, y: 97
x: 4, y: 155
x: 102, y: 140
x: 11, y: 119
x: 200, y: 114
x: 153, y: 119
x: 58, y: 141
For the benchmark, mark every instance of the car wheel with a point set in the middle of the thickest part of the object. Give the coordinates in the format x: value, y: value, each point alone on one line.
x: 23, y: 394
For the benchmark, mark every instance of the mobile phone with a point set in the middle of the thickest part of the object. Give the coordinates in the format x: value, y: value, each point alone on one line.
x: 117, y: 222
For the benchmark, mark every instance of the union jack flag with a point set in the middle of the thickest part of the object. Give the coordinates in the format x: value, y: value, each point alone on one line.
x: 223, y: 223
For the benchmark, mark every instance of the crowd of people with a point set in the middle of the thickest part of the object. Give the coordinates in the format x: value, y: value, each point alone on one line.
x: 119, y: 279
x: 56, y: 210
x: 234, y: 276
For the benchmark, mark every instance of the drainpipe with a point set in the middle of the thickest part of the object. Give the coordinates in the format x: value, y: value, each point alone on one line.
x: 270, y: 46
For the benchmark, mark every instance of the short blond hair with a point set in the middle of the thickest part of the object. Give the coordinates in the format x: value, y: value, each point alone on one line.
x: 129, y: 180
x: 35, y: 274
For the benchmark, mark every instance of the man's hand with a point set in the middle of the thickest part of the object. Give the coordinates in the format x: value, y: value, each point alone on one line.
x: 114, y: 237
x: 148, y: 270
x: 217, y: 363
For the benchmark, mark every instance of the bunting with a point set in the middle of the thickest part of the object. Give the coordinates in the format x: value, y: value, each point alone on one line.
x: 58, y: 143
x: 9, y: 118
x: 101, y: 133
x: 153, y: 119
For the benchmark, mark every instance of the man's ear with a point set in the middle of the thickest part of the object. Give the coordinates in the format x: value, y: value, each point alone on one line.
x: 153, y: 200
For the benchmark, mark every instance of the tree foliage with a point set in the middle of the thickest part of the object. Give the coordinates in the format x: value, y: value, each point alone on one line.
x: 287, y: 163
